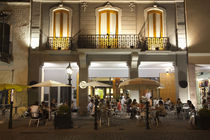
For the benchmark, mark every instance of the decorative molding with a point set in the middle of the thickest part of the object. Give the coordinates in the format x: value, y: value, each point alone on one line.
x: 4, y: 14
x: 84, y: 6
x: 108, y: 5
x: 132, y: 6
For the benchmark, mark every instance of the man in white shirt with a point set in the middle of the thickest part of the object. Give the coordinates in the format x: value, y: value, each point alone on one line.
x: 34, y: 110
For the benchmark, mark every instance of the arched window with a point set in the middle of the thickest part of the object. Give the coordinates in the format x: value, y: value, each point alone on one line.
x: 61, y: 23
x: 155, y: 23
x: 108, y: 20
x: 155, y: 19
x: 108, y: 25
x: 60, y: 27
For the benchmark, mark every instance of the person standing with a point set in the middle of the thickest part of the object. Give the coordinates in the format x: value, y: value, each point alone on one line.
x: 178, y: 107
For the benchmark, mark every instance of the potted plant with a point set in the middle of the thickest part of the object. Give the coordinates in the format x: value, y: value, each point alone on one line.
x: 203, y: 119
x: 62, y: 118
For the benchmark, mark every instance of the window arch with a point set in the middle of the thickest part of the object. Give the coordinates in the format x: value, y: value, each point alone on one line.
x: 60, y: 27
x: 155, y: 18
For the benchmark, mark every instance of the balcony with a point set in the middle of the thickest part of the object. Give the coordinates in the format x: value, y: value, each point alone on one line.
x: 110, y: 41
x: 59, y: 43
x: 157, y: 43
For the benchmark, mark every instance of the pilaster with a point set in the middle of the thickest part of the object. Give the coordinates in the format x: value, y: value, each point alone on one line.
x: 133, y: 65
x: 181, y: 77
x: 83, y: 76
x: 192, y: 83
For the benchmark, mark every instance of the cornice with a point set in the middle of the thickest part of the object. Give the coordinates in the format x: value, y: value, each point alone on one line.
x: 114, y: 1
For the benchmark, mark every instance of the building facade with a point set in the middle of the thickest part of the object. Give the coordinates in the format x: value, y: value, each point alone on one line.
x: 14, y: 42
x: 112, y: 40
x: 199, y: 50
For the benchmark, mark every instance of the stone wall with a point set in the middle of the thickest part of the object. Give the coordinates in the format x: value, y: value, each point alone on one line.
x: 19, y: 22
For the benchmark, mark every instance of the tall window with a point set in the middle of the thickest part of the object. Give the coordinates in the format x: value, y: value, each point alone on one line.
x: 60, y: 28
x: 108, y: 22
x: 61, y: 23
x: 108, y: 25
x: 155, y: 28
x: 155, y: 23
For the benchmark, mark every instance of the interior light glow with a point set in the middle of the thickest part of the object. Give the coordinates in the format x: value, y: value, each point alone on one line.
x: 34, y: 42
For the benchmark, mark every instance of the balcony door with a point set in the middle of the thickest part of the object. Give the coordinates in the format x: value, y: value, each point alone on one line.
x: 155, y: 30
x: 61, y: 23
x: 155, y: 23
x: 108, y: 22
x: 108, y: 28
x: 60, y: 29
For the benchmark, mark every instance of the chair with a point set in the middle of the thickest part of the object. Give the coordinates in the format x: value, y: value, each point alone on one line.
x: 35, y: 119
x: 104, y: 116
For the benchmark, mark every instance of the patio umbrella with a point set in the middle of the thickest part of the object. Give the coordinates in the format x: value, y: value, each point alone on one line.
x: 139, y: 83
x: 49, y: 83
x: 16, y: 87
x: 97, y: 84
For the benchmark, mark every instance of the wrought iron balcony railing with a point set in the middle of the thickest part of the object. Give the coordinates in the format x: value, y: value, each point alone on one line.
x: 157, y: 43
x: 59, y: 43
x: 109, y: 41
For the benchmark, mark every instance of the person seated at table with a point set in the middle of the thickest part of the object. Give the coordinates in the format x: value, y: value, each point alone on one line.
x: 191, y: 106
x: 160, y: 110
x: 53, y: 105
x: 142, y: 109
x: 134, y: 106
x: 168, y: 104
x: 44, y: 110
x: 35, y: 110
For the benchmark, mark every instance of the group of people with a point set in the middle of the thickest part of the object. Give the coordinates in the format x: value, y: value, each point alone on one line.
x: 125, y: 105
x: 42, y: 111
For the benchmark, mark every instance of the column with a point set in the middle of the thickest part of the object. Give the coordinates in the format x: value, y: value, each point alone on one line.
x: 133, y: 70
x: 133, y: 65
x: 181, y: 77
x: 192, y: 84
x: 83, y: 93
x: 34, y: 76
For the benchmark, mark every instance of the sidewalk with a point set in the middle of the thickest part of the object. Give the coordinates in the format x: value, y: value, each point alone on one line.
x: 120, y: 129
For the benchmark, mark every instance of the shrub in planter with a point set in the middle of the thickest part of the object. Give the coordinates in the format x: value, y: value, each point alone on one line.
x: 203, y: 119
x: 62, y: 118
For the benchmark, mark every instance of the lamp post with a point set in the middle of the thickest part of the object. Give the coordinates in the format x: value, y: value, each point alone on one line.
x: 11, y: 108
x: 69, y: 72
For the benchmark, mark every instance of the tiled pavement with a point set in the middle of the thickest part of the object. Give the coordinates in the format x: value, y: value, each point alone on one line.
x: 120, y: 129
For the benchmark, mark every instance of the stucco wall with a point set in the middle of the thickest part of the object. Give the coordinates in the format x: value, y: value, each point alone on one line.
x: 19, y: 21
x: 197, y: 16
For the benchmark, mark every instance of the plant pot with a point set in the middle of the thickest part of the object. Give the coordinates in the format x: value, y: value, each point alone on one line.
x: 62, y: 121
